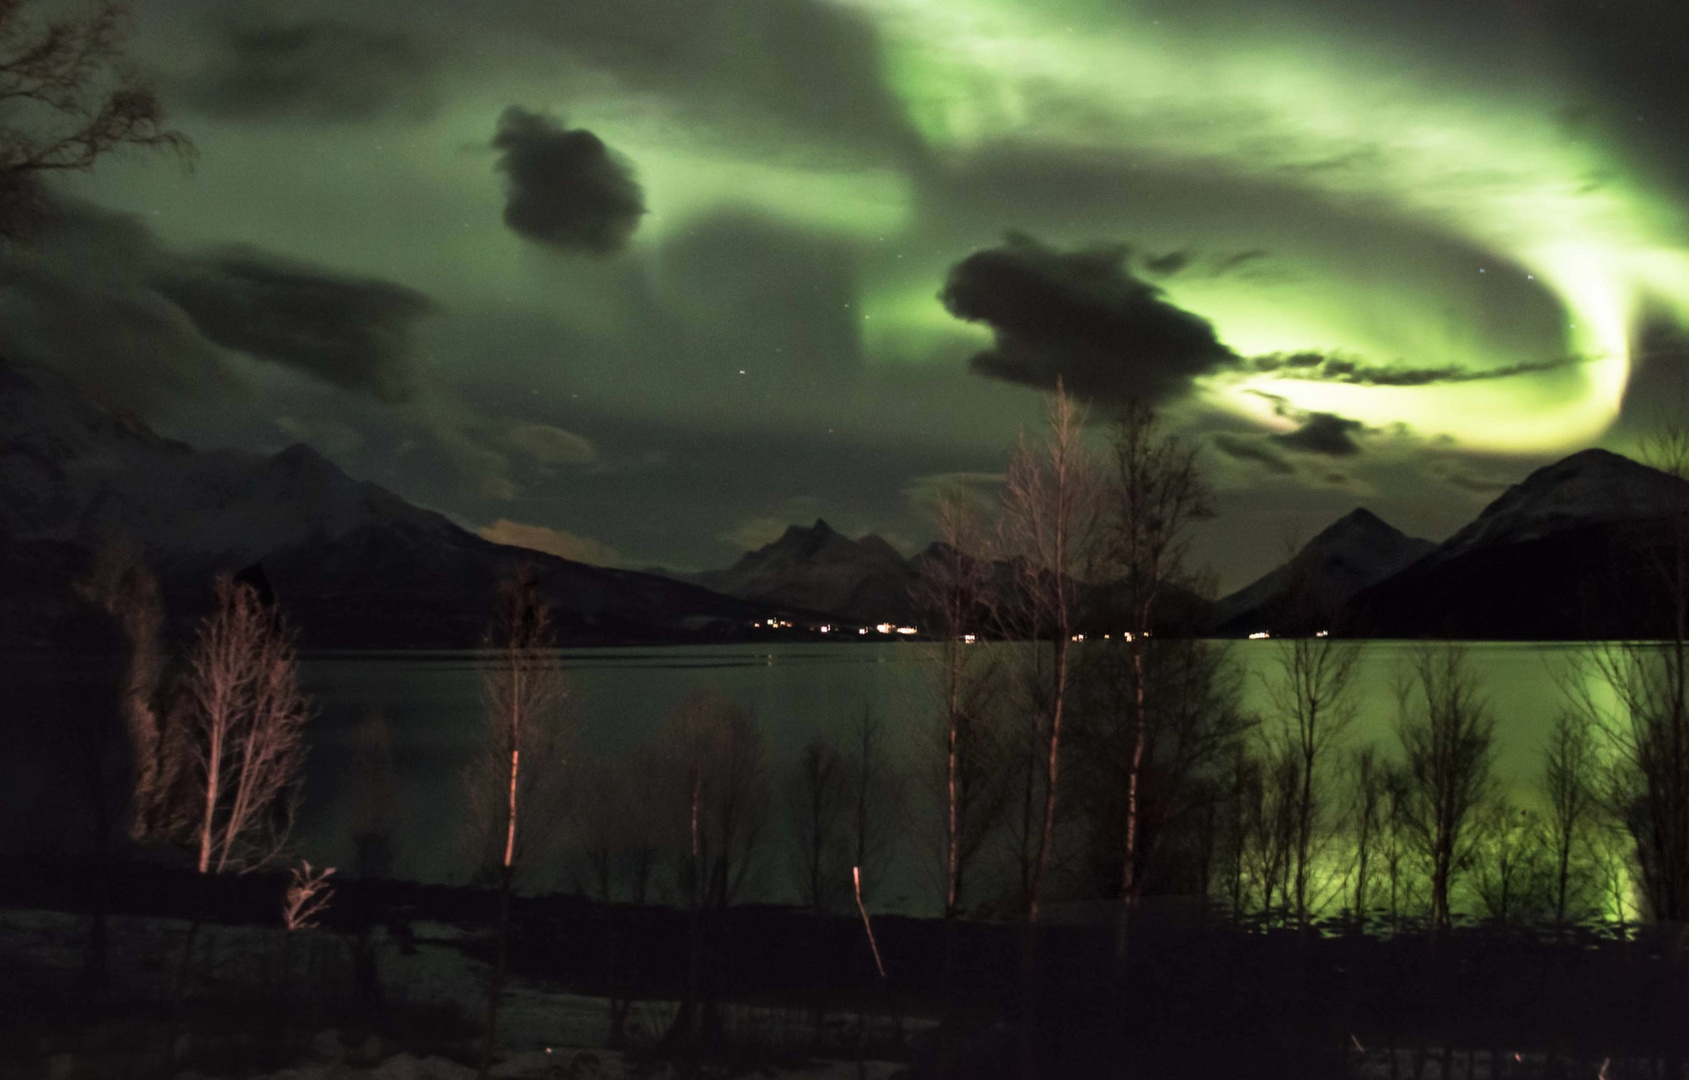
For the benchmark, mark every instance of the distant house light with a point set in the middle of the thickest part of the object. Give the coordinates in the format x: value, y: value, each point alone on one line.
x: 1078, y: 637
x: 968, y: 639
x: 1322, y: 633
x: 1258, y: 635
x: 907, y: 630
x: 885, y: 628
x: 862, y: 630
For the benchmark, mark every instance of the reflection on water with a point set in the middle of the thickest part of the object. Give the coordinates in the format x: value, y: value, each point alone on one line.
x: 432, y: 702
x: 621, y: 696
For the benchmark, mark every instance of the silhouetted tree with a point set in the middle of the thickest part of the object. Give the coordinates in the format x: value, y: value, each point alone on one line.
x: 819, y: 803
x: 955, y: 596
x: 1646, y: 724
x: 1368, y: 820
x: 1570, y: 776
x: 119, y: 584
x: 72, y: 99
x: 716, y: 773
x: 1150, y: 497
x: 246, y: 718
x: 1447, y: 733
x: 1048, y: 531
x: 877, y: 797
x: 516, y: 785
x: 618, y: 824
x: 1312, y: 705
x: 1510, y: 872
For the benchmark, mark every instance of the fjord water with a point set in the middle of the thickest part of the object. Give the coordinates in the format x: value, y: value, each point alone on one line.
x: 620, y: 697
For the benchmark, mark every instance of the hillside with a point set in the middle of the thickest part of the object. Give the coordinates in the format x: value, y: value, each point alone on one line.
x: 353, y: 564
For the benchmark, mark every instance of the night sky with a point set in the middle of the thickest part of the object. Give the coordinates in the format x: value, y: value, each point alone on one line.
x: 643, y: 281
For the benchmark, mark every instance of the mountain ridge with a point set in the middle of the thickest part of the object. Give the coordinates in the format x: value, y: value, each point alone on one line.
x: 354, y: 564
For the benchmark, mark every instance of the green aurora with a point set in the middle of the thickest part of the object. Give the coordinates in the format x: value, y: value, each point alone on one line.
x: 811, y: 171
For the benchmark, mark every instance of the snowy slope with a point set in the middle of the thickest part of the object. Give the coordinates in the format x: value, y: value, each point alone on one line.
x: 1357, y: 550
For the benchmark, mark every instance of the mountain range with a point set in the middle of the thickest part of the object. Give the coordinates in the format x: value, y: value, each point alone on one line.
x: 1582, y: 548
x: 352, y: 564
x: 819, y: 569
x: 1577, y: 549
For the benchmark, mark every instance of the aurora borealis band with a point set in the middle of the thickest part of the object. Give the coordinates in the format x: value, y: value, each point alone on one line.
x: 1471, y: 215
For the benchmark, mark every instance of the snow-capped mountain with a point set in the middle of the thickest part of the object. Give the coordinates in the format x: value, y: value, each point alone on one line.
x: 1580, y: 548
x: 353, y: 564
x: 1304, y: 594
x: 820, y: 569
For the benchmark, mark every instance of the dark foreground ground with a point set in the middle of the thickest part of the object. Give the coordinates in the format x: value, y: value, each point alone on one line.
x: 1197, y: 996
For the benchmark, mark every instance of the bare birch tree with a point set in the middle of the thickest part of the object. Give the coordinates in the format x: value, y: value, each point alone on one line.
x: 1510, y: 874
x: 119, y: 584
x: 72, y: 98
x: 516, y: 786
x: 1569, y: 783
x: 1048, y: 529
x: 246, y: 719
x: 818, y: 802
x: 955, y: 596
x: 877, y: 798
x: 1447, y: 735
x: 1644, y: 718
x: 1152, y: 495
x: 1313, y: 702
x: 1368, y: 818
x: 717, y: 775
x: 617, y: 822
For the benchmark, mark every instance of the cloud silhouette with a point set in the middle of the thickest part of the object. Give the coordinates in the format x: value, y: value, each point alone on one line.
x: 567, y: 190
x: 1080, y: 317
x: 1323, y: 433
x: 348, y: 331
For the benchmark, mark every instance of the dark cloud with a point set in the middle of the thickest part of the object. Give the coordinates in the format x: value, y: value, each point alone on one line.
x: 351, y: 332
x: 1318, y: 366
x: 1168, y: 264
x: 567, y: 189
x: 1323, y: 433
x: 1080, y: 317
x: 1178, y: 262
x: 1247, y: 449
x: 126, y: 346
x: 311, y: 69
x: 99, y: 298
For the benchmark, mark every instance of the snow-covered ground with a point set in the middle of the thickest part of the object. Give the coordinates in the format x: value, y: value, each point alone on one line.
x: 543, y: 1032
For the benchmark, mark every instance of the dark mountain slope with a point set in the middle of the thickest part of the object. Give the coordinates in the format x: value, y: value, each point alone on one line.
x: 1304, y: 594
x: 352, y: 564
x: 1579, y: 549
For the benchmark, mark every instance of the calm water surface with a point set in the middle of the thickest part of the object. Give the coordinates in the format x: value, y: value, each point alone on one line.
x: 621, y: 696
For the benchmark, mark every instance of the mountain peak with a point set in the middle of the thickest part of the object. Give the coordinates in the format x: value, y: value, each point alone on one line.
x: 1360, y: 518
x: 1589, y: 486
x: 1353, y: 552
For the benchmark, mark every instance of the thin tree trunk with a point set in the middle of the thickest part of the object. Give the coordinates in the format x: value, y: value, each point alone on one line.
x: 1129, y: 870
x: 213, y: 784
x: 496, y: 989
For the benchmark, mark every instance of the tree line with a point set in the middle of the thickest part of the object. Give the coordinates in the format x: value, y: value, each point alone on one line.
x: 1053, y: 765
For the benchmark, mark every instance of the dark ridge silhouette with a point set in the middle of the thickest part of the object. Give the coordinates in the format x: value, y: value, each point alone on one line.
x: 1355, y: 551
x: 1575, y: 551
x: 354, y: 565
